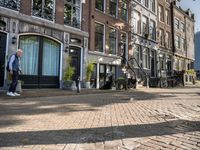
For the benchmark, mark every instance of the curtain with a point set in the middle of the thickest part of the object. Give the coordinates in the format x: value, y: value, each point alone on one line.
x: 50, y: 61
x: 29, y: 60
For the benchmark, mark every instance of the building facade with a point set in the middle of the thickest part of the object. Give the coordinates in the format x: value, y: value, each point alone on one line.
x: 155, y: 36
x: 144, y: 38
x: 197, y: 54
x: 109, y: 36
x: 164, y: 38
x: 48, y: 31
x: 197, y: 51
x: 183, y: 41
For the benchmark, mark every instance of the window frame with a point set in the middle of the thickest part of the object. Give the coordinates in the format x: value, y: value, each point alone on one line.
x: 104, y: 6
x: 124, y: 1
x: 16, y: 10
x: 78, y: 28
x: 116, y: 15
x: 96, y: 22
x: 116, y: 39
x: 42, y: 18
x: 145, y: 58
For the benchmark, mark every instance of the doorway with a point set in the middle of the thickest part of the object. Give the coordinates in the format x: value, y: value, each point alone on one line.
x: 40, y: 62
x: 75, y: 54
x: 3, y: 37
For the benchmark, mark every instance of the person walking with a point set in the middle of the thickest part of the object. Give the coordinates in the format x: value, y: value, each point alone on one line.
x: 13, y: 68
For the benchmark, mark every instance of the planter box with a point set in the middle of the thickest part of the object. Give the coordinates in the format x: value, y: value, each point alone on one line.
x: 87, y: 85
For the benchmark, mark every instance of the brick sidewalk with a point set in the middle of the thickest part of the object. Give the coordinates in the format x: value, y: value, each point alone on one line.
x: 139, y: 119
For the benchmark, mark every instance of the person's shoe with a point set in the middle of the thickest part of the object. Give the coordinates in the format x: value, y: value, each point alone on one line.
x: 10, y: 94
x: 16, y: 94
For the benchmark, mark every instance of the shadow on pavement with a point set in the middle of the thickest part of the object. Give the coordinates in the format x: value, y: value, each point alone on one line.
x: 92, y: 135
x: 10, y: 108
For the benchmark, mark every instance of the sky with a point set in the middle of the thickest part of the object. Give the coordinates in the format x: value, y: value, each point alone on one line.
x: 195, y: 8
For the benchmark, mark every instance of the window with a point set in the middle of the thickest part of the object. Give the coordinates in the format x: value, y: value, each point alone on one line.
x: 11, y: 4
x: 182, y: 27
x: 152, y: 30
x: 136, y: 55
x: 43, y: 9
x: 145, y: 26
x: 167, y: 17
x: 176, y: 22
x: 112, y: 41
x: 145, y: 58
x: 162, y: 63
x: 152, y: 5
x: 182, y: 42
x: 29, y: 61
x: 113, y: 8
x: 50, y: 60
x: 145, y: 3
x: 137, y: 22
x: 72, y: 13
x: 160, y: 13
x: 177, y: 41
x: 100, y: 5
x: 99, y: 37
x: 167, y: 40
x: 41, y: 56
x: 124, y: 45
x: 162, y: 39
x: 124, y: 10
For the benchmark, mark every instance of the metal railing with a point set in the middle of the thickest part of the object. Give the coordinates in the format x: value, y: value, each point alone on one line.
x: 140, y: 68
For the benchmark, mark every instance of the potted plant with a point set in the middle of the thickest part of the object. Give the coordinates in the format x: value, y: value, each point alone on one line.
x: 68, y: 74
x: 89, y: 71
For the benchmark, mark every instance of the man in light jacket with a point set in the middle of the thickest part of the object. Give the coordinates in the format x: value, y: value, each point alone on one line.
x: 14, y: 68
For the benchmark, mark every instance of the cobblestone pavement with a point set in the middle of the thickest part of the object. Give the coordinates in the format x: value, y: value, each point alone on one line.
x: 138, y: 119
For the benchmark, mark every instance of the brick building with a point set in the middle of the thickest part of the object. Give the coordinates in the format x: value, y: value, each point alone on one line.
x: 48, y: 31
x: 109, y: 36
x: 164, y: 38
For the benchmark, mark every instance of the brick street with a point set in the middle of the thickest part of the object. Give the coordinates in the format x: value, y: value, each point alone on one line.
x: 135, y: 119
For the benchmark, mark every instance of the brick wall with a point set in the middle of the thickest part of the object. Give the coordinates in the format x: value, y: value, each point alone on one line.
x: 108, y: 21
x: 25, y: 7
x: 59, y: 12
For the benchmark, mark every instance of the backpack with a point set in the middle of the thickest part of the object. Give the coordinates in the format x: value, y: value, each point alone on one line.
x: 7, y: 66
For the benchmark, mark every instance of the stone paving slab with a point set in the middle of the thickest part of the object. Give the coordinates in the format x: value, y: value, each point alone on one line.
x: 139, y: 119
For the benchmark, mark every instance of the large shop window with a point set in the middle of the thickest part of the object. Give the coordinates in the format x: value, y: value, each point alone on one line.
x: 43, y: 9
x: 41, y: 56
x: 11, y: 4
x: 72, y: 12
